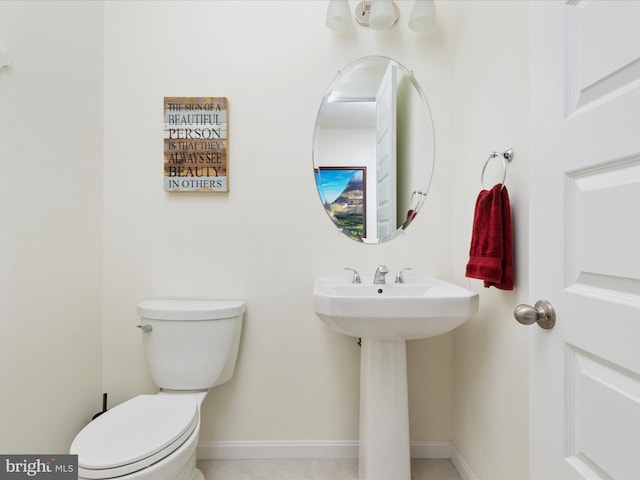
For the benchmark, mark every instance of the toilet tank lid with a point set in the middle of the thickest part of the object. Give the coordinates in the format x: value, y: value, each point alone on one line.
x: 167, y: 309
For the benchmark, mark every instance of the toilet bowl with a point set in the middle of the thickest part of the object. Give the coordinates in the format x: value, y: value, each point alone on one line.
x: 149, y: 436
x: 191, y: 346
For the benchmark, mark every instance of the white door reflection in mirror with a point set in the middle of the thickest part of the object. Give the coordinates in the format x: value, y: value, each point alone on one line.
x: 386, y: 154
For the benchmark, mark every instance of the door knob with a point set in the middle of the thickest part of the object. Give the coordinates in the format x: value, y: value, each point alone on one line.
x: 542, y: 313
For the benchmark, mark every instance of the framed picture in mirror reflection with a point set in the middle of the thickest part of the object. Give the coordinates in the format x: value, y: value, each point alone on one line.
x: 343, y: 193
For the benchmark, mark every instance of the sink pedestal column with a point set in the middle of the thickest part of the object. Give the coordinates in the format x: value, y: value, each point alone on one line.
x: 384, y: 411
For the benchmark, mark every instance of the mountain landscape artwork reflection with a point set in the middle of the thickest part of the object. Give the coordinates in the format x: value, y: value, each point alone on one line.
x: 342, y: 191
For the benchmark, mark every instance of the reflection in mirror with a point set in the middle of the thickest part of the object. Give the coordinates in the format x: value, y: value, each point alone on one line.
x: 373, y: 149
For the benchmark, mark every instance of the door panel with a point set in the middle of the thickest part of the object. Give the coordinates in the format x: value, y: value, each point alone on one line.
x: 603, y: 42
x: 585, y: 235
x: 599, y: 261
x: 596, y: 441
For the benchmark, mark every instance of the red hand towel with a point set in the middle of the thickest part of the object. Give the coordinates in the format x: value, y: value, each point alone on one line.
x: 490, y: 255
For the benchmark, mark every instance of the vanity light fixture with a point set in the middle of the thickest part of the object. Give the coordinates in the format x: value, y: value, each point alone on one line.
x: 380, y: 14
x: 423, y: 16
x: 338, y: 15
x: 383, y: 14
x: 377, y: 14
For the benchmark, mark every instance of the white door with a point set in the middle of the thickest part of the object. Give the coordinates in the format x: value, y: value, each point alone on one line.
x: 585, y: 238
x: 386, y: 154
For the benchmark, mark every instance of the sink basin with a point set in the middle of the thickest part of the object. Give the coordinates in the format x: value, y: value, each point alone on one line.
x: 418, y: 308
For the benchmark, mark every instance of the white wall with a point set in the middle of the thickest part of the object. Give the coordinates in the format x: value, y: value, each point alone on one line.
x: 269, y: 236
x: 50, y: 211
x: 265, y: 240
x: 491, y: 350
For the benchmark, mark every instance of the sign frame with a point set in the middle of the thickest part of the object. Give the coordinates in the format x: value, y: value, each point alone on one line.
x: 196, y: 144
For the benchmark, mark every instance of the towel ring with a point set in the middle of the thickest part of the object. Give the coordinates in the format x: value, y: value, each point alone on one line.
x: 507, y: 156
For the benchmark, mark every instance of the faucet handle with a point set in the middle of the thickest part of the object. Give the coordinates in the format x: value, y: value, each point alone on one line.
x: 356, y: 275
x: 400, y: 277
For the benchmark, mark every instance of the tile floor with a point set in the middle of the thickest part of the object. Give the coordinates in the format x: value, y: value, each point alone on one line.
x: 315, y: 469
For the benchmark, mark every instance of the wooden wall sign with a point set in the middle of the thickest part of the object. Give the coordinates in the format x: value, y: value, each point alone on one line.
x: 196, y: 144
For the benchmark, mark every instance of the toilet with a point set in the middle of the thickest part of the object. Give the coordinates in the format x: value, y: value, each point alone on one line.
x: 190, y: 347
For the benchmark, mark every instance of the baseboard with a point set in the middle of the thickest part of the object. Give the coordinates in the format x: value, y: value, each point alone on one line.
x: 306, y: 449
x: 431, y: 449
x: 277, y: 449
x: 461, y: 465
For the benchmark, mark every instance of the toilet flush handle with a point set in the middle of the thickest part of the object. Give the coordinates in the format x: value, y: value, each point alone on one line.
x: 145, y: 328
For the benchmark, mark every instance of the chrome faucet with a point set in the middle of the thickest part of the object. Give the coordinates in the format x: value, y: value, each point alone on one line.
x: 379, y: 277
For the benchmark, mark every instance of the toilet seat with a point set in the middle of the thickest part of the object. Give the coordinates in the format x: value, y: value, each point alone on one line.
x: 134, y: 435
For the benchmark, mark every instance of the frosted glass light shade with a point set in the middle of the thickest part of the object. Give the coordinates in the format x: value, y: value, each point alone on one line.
x: 383, y: 15
x: 423, y: 16
x: 338, y: 15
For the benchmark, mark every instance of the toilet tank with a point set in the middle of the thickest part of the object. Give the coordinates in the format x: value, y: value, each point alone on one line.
x: 192, y: 344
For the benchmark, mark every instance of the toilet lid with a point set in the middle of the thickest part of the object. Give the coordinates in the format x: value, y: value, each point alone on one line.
x: 135, y: 434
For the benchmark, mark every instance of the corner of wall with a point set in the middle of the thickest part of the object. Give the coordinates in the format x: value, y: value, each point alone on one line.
x: 490, y: 351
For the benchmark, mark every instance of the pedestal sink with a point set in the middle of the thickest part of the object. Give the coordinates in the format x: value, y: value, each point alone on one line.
x: 385, y: 317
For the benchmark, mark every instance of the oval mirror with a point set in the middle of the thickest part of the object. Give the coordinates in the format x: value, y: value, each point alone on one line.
x: 373, y: 149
